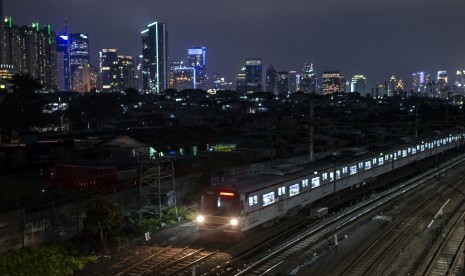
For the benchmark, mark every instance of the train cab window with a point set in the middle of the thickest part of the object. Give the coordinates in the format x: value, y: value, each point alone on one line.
x: 305, y: 183
x: 281, y: 191
x: 253, y: 200
x: 315, y: 182
x: 268, y: 198
x: 219, y: 204
x: 353, y: 170
x: 338, y: 174
x: 367, y: 165
x: 294, y: 189
x: 331, y: 176
x: 380, y: 161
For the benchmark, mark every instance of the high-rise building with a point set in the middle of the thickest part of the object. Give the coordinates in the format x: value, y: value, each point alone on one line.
x: 392, y: 86
x: 63, y: 65
x: 333, y: 82
x: 282, y: 82
x: 220, y: 82
x: 183, y: 78
x: 358, y: 84
x: 292, y: 81
x: 155, y: 70
x: 308, y: 80
x: 126, y: 73
x: 32, y: 50
x: 2, y: 35
x: 271, y: 79
x: 108, y: 60
x: 442, y: 80
x: 78, y: 51
x: 253, y: 74
x: 420, y: 82
x: 400, y: 86
x: 84, y: 78
x: 197, y: 59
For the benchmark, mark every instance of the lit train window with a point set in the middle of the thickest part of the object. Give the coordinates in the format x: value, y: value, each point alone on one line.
x: 305, y: 183
x: 374, y: 161
x: 315, y: 182
x: 281, y: 190
x: 414, y: 151
x: 367, y: 165
x: 404, y: 153
x: 294, y: 189
x: 399, y: 153
x: 344, y: 170
x: 409, y: 150
x: 418, y: 147
x: 324, y: 176
x: 380, y: 161
x: 386, y: 157
x: 360, y: 165
x: 268, y: 198
x: 422, y: 147
x: 353, y: 170
x: 253, y: 200
x: 395, y: 156
x: 331, y: 176
x: 338, y: 174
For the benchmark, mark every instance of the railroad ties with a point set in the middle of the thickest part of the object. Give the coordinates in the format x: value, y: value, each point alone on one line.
x: 167, y: 261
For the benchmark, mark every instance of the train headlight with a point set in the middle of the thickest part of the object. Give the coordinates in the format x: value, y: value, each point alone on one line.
x: 234, y: 222
x: 200, y: 218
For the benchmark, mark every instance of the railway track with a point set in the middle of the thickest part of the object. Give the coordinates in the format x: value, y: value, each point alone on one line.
x: 275, y: 257
x: 168, y: 261
x: 384, y: 250
x: 448, y: 257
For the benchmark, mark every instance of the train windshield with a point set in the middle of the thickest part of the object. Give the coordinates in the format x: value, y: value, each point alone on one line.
x: 221, y: 205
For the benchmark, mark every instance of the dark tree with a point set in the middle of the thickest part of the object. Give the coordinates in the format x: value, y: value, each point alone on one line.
x: 22, y: 108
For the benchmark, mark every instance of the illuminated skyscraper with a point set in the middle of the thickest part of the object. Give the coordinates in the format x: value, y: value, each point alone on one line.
x: 333, y: 82
x: 126, y: 73
x: 84, y: 78
x: 282, y: 82
x: 155, y: 70
x: 78, y: 51
x: 308, y: 80
x: 358, y: 84
x: 420, y: 82
x: 392, y: 86
x: 442, y: 81
x: 271, y: 79
x: 292, y: 81
x: 253, y: 74
x: 32, y: 50
x: 2, y: 35
x: 197, y: 59
x: 108, y: 69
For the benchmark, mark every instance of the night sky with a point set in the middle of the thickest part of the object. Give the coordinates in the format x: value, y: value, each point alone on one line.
x: 376, y: 38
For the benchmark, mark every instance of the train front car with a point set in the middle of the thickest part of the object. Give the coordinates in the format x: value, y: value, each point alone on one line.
x: 220, y: 210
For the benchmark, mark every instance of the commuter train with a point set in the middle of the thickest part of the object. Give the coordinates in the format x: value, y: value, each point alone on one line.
x: 261, y: 199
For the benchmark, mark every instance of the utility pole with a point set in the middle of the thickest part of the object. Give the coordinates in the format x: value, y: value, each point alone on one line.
x: 310, y: 133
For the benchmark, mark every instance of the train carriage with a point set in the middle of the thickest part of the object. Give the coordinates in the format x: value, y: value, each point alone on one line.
x: 288, y: 188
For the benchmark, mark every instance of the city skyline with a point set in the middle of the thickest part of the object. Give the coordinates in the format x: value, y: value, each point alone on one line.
x: 360, y: 37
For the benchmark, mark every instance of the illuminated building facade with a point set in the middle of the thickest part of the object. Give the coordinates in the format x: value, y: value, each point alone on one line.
x: 78, y: 51
x: 333, y: 82
x: 308, y: 80
x: 108, y: 60
x: 282, y: 82
x: 196, y: 57
x: 84, y: 79
x: 31, y: 50
x: 442, y: 86
x: 293, y: 81
x: 358, y: 84
x: 420, y: 82
x: 125, y: 72
x: 183, y: 78
x: 253, y: 74
x: 271, y: 79
x: 155, y: 68
x: 392, y: 86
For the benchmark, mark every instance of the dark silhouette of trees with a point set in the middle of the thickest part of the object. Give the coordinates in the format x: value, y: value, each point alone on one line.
x: 93, y: 110
x: 22, y: 109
